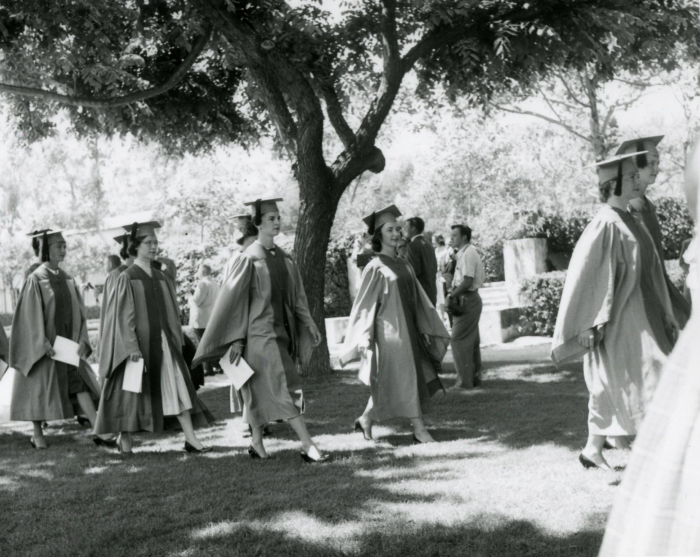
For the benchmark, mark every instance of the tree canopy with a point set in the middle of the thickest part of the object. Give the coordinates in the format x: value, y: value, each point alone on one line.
x: 193, y: 73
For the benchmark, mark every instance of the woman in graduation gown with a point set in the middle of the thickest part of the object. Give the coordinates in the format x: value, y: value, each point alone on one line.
x: 143, y: 322
x: 262, y: 314
x: 396, y: 331
x: 49, y: 306
x: 645, y: 211
x: 615, y: 310
x: 656, y: 507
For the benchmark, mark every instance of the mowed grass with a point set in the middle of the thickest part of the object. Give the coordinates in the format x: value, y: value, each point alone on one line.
x: 502, y: 480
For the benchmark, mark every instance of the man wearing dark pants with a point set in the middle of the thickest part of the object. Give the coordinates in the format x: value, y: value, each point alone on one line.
x: 469, y: 277
x: 421, y: 256
x: 201, y: 305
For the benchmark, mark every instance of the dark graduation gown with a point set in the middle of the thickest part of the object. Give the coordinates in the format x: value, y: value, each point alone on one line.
x: 390, y: 313
x: 421, y: 255
x: 108, y: 292
x: 4, y: 347
x: 263, y: 302
x: 49, y: 306
x: 648, y: 216
x: 143, y: 308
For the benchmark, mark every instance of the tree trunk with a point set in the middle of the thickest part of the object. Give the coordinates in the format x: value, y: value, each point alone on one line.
x: 597, y: 139
x: 316, y: 215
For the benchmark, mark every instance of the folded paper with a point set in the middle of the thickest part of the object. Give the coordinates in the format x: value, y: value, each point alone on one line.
x: 66, y: 351
x: 133, y: 376
x: 238, y: 374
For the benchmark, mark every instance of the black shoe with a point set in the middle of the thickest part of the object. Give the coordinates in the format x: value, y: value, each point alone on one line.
x: 323, y: 458
x: 191, y: 449
x: 417, y: 441
x: 365, y: 432
x: 111, y: 443
x: 83, y: 421
x: 586, y: 462
x: 34, y: 445
x: 252, y: 453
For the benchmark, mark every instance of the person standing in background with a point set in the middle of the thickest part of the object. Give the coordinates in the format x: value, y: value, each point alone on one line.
x: 469, y: 276
x: 201, y: 304
x: 421, y: 256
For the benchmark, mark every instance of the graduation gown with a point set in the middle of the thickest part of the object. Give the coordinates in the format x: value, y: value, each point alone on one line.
x: 108, y: 292
x: 390, y: 313
x: 262, y: 301
x: 143, y: 308
x: 4, y: 348
x: 49, y: 304
x: 615, y: 282
x: 648, y: 216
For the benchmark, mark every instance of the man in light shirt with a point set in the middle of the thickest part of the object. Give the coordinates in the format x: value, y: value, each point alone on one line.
x: 201, y: 305
x: 468, y: 278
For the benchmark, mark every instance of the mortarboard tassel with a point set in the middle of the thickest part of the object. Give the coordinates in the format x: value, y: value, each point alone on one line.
x: 258, y: 212
x: 372, y: 220
x: 618, y: 184
x: 45, y: 248
x: 641, y: 159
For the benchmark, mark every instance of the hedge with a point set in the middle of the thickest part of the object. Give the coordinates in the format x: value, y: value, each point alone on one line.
x: 544, y: 293
x: 336, y: 295
x: 676, y: 224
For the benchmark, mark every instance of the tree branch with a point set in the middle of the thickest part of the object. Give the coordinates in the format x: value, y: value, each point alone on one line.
x: 542, y: 117
x: 570, y: 91
x: 334, y: 109
x: 110, y: 102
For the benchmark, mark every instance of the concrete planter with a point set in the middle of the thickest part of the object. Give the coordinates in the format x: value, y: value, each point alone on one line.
x: 523, y: 259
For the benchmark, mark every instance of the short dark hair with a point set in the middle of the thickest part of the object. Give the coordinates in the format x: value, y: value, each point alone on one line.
x: 377, y: 239
x: 605, y: 189
x: 417, y: 223
x: 36, y: 246
x: 440, y: 239
x: 134, y: 244
x: 251, y: 231
x: 464, y: 230
x: 114, y: 261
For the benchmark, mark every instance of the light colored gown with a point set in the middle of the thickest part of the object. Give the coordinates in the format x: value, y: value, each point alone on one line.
x: 606, y: 288
x: 389, y: 315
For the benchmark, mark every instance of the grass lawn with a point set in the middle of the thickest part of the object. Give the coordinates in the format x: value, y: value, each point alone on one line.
x: 503, y: 480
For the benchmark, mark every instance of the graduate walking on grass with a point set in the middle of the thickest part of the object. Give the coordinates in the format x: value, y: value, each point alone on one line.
x: 396, y: 332
x: 262, y: 315
x: 645, y: 211
x: 143, y: 323
x: 50, y: 306
x: 615, y: 310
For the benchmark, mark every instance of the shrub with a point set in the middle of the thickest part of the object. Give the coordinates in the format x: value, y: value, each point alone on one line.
x: 676, y: 224
x: 492, y: 258
x: 544, y: 292
x: 336, y: 295
x: 187, y: 261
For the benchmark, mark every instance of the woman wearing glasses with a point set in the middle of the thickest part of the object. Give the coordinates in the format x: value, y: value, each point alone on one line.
x: 143, y: 323
x: 615, y: 310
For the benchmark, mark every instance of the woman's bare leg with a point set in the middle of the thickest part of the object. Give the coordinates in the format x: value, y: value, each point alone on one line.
x: 307, y: 444
x: 257, y: 441
x: 420, y: 431
x: 39, y: 438
x: 186, y: 423
x: 593, y: 451
x: 87, y: 405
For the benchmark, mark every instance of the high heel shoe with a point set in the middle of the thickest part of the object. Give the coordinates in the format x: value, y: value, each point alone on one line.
x: 588, y: 463
x: 252, y: 453
x: 120, y: 448
x: 192, y: 449
x: 323, y: 458
x: 35, y: 446
x: 417, y: 441
x: 111, y: 443
x: 367, y: 433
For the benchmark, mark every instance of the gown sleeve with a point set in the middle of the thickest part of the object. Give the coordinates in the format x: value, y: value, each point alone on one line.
x: 4, y: 345
x: 589, y: 290
x: 119, y: 339
x: 229, y: 317
x: 26, y: 346
x: 364, y: 311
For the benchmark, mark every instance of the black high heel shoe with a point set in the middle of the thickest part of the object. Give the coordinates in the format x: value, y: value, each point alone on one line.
x: 120, y: 448
x: 367, y: 433
x: 34, y: 445
x: 189, y: 448
x: 588, y: 463
x: 111, y: 443
x: 252, y: 453
x: 323, y: 458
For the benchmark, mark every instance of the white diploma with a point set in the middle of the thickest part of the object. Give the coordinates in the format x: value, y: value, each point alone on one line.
x: 3, y: 368
x: 238, y: 374
x: 133, y: 376
x: 66, y: 351
x: 365, y: 367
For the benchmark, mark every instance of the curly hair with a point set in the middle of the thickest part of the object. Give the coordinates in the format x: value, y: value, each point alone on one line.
x: 376, y: 240
x: 605, y: 189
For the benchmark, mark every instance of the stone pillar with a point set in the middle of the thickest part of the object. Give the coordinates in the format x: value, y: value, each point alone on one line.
x: 523, y: 259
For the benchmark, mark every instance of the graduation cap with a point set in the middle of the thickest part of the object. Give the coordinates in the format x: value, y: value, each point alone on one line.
x: 262, y: 206
x: 638, y: 145
x: 120, y: 239
x: 46, y: 237
x: 616, y: 167
x: 381, y: 217
x: 142, y: 228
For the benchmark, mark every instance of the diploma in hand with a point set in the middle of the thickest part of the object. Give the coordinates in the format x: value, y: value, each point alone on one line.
x: 133, y: 376
x: 66, y: 351
x: 238, y: 374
